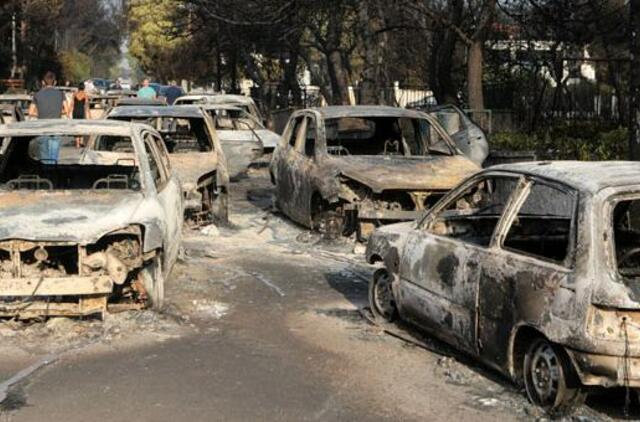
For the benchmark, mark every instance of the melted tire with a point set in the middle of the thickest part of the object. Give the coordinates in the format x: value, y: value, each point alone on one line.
x: 381, y: 299
x: 153, y: 280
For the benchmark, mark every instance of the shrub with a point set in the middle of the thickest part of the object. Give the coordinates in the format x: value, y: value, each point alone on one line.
x: 582, y: 141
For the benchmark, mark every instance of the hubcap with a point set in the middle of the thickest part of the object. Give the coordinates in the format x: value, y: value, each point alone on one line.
x: 546, y: 374
x: 383, y: 296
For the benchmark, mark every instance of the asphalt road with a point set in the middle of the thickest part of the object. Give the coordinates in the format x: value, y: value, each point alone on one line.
x: 263, y: 323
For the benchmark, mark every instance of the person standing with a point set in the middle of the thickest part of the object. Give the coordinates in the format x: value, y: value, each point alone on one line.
x: 79, y: 108
x: 173, y: 92
x: 146, y: 91
x: 49, y: 102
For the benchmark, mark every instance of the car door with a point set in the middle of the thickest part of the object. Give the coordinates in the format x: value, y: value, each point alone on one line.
x: 305, y: 167
x: 519, y: 279
x: 287, y: 186
x: 439, y: 265
x: 467, y: 135
x: 169, y: 195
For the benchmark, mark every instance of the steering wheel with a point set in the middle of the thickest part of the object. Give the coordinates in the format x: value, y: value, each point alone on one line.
x: 627, y: 255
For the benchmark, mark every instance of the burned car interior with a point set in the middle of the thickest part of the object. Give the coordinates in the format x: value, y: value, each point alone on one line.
x: 180, y: 135
x: 541, y: 228
x: 26, y: 165
x: 383, y: 136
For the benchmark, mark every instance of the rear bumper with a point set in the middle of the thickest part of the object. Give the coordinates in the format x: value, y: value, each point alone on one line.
x: 606, y: 371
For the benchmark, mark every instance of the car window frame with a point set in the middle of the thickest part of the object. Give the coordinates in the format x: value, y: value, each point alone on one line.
x: 427, y: 222
x: 164, y: 174
x: 301, y: 144
x: 569, y: 261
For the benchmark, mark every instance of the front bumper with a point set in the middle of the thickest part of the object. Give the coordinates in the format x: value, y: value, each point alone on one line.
x: 55, y: 286
x: 606, y: 371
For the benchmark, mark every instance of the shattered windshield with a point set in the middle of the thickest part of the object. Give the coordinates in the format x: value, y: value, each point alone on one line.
x: 400, y: 136
x: 180, y: 134
x: 53, y: 162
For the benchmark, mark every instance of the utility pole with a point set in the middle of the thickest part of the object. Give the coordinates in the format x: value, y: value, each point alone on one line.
x: 634, y: 80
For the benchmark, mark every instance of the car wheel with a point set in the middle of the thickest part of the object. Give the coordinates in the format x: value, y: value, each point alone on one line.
x: 549, y: 379
x: 153, y: 281
x: 381, y: 298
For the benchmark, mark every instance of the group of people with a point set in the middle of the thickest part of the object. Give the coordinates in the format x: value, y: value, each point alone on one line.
x: 51, y: 103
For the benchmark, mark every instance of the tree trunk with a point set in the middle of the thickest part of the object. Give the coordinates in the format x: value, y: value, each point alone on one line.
x: 374, y: 43
x: 339, y: 78
x: 474, y: 75
x: 444, y: 56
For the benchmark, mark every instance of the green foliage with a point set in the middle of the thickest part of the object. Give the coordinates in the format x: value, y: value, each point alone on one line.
x: 76, y: 66
x: 575, y: 141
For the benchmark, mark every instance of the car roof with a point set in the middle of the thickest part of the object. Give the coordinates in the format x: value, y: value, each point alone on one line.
x: 333, y: 112
x: 229, y: 98
x: 585, y: 176
x: 70, y: 127
x: 184, y: 111
x: 219, y: 107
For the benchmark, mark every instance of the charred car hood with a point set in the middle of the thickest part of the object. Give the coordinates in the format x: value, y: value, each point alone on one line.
x: 406, y: 173
x: 78, y: 216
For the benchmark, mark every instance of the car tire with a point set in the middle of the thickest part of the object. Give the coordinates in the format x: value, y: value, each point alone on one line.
x: 153, y: 281
x: 381, y: 299
x: 550, y: 380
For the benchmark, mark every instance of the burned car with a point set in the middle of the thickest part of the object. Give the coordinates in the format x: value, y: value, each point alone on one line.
x: 235, y: 121
x: 79, y: 237
x: 342, y: 169
x: 533, y: 268
x: 195, y: 153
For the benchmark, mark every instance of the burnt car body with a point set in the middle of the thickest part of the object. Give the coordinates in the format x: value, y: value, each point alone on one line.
x: 22, y: 101
x: 11, y: 113
x: 533, y: 268
x: 348, y: 169
x: 467, y: 134
x: 79, y: 236
x: 99, y: 105
x: 238, y: 123
x: 144, y: 102
x: 195, y: 153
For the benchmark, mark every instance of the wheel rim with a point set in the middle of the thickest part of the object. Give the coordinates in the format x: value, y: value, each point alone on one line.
x: 546, y: 374
x: 383, y: 296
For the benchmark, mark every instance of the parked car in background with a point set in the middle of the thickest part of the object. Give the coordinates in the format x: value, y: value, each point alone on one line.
x: 240, y: 101
x: 238, y: 136
x: 467, y: 134
x: 99, y: 105
x: 195, y: 154
x: 234, y: 120
x: 343, y: 169
x: 533, y: 269
x: 78, y: 235
x: 191, y: 99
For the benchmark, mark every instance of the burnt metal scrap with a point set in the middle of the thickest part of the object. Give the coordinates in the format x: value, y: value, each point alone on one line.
x: 195, y: 153
x: 77, y: 235
x: 532, y: 268
x: 351, y: 169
